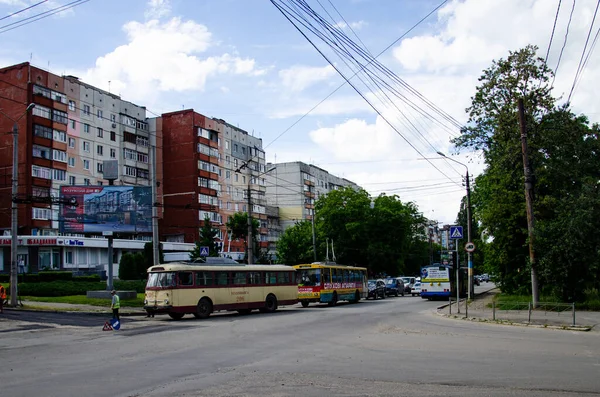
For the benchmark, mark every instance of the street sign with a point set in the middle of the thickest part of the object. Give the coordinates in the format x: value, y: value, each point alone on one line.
x: 203, y: 251
x: 456, y: 232
x: 469, y: 247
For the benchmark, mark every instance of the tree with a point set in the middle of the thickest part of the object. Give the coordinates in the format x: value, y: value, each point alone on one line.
x: 294, y: 246
x: 149, y: 257
x: 237, y: 224
x: 563, y: 155
x: 208, y: 237
x: 128, y: 267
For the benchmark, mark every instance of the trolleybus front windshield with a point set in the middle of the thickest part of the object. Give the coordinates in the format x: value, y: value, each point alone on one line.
x: 161, y: 280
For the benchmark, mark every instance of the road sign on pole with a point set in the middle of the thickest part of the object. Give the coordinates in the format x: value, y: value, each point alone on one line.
x: 203, y: 251
x: 456, y: 232
x: 469, y: 247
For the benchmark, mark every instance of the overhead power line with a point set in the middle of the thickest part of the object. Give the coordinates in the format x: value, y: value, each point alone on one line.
x: 23, y: 10
x: 553, y: 29
x: 564, y: 44
x: 42, y: 15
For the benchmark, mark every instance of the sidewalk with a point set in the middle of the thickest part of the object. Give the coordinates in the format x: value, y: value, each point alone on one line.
x: 480, y: 309
x: 53, y: 307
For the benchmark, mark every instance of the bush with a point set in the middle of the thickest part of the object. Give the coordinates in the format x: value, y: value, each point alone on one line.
x: 59, y: 288
x: 92, y: 278
x: 22, y: 278
x: 128, y: 267
x: 130, y: 285
x: 55, y: 276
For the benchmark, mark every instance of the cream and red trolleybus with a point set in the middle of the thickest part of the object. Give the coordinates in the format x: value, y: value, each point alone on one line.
x: 219, y: 284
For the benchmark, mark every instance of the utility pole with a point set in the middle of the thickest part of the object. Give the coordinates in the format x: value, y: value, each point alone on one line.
x: 313, y: 227
x: 155, y: 239
x: 470, y: 292
x: 250, y: 249
x: 529, y: 203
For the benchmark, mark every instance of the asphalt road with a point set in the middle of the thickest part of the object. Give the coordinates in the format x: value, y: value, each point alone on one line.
x: 394, y: 347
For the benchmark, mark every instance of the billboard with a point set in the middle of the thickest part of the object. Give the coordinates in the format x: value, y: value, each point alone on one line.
x: 120, y: 209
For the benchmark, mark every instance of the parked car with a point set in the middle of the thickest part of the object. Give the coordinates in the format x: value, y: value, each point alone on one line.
x: 376, y: 289
x: 409, y: 282
x: 416, y: 290
x: 394, y: 286
x: 476, y: 281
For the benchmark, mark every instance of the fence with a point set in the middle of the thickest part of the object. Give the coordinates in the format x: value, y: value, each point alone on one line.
x: 548, y: 313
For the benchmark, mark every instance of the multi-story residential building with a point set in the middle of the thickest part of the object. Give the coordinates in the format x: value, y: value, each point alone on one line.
x: 274, y: 231
x: 211, y: 167
x: 64, y: 140
x: 295, y: 186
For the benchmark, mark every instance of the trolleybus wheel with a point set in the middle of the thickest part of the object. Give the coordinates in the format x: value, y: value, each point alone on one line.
x: 304, y: 303
x: 356, y: 297
x: 270, y: 304
x: 204, y: 308
x: 176, y: 316
x: 334, y: 299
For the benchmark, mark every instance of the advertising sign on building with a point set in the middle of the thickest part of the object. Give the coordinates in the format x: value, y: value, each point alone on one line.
x: 122, y: 209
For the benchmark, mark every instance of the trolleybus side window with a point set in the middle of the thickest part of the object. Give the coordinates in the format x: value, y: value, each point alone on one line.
x: 346, y: 276
x: 255, y: 278
x: 271, y: 278
x: 186, y: 278
x: 326, y: 275
x: 204, y: 278
x: 283, y: 277
x: 239, y: 278
x: 221, y: 278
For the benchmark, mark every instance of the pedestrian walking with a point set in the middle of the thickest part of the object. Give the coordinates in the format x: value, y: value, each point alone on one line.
x: 2, y: 298
x: 115, y: 305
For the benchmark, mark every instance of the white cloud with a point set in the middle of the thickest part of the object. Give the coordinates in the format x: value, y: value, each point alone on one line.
x: 354, y: 25
x: 298, y: 78
x: 290, y: 107
x: 158, y: 9
x: 164, y: 57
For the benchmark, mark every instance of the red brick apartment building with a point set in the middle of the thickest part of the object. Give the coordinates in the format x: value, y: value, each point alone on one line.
x: 208, y: 167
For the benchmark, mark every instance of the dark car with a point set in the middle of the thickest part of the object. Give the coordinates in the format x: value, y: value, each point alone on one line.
x: 376, y: 289
x: 394, y: 286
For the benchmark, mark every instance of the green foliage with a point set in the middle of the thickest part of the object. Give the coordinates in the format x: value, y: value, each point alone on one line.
x: 208, y: 237
x: 130, y: 285
x: 128, y: 267
x: 237, y: 224
x: 382, y: 234
x: 59, y: 288
x: 149, y: 255
x: 563, y: 156
x: 55, y: 276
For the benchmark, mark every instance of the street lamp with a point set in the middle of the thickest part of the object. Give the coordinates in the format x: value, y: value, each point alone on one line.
x: 469, y: 220
x: 14, y: 209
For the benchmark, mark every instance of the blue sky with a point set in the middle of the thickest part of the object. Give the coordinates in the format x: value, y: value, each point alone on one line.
x: 242, y: 61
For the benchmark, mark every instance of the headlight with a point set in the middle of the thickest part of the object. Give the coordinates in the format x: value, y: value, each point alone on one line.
x: 166, y: 301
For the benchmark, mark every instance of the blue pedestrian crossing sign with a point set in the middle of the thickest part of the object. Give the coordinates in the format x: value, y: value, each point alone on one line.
x: 456, y: 232
x: 203, y: 251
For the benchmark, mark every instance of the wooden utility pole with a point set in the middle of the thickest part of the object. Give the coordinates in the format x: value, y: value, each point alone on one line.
x: 529, y: 203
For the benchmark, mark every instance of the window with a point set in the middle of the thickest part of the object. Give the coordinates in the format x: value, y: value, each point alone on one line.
x: 72, y: 106
x: 60, y: 136
x: 71, y: 161
x: 99, y: 114
x: 271, y: 278
x: 255, y: 278
x: 43, y: 91
x: 86, y: 110
x: 100, y: 133
x: 99, y: 150
x: 113, y: 118
x: 86, y: 146
x: 142, y: 141
x: 239, y: 278
x: 86, y: 128
x: 221, y: 278
x: 86, y: 181
x: 72, y: 124
x: 60, y: 117
x: 113, y: 153
x: 59, y: 155
x: 42, y: 132
x: 41, y: 213
x: 41, y: 172
x: 99, y: 167
x: 41, y: 152
x: 237, y: 177
x: 227, y: 145
x: 235, y: 163
x: 42, y: 111
x: 283, y: 277
x: 58, y: 97
x: 113, y: 136
x: 71, y: 143
x: 129, y: 171
x: 185, y: 278
x: 59, y: 175
x: 204, y: 279
x: 86, y: 164
x: 142, y: 158
x: 72, y: 180
x: 227, y: 174
x: 243, y: 149
x: 129, y: 154
x: 235, y: 147
x: 69, y: 257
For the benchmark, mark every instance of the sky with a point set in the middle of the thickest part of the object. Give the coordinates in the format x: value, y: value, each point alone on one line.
x: 244, y: 62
